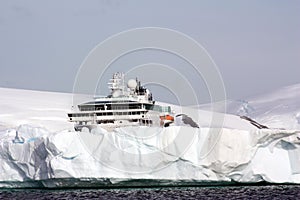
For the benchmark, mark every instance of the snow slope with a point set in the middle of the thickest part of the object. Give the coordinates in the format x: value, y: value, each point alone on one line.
x: 53, y: 155
x: 47, y: 109
x: 276, y: 109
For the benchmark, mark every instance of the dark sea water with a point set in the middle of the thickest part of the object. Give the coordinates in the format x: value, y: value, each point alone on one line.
x: 228, y: 192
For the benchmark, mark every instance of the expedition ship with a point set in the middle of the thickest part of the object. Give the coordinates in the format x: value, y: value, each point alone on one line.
x: 130, y: 105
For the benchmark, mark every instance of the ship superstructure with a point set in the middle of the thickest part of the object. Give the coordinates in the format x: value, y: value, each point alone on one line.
x: 126, y: 105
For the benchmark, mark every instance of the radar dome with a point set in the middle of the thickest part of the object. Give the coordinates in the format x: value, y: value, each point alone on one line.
x: 116, y: 93
x: 132, y: 84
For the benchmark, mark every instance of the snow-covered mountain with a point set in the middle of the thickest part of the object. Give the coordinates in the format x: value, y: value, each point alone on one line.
x: 276, y: 109
x: 46, y: 109
x: 50, y: 153
x: 49, y: 110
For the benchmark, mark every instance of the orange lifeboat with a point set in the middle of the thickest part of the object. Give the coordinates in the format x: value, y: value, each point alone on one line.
x: 166, y: 120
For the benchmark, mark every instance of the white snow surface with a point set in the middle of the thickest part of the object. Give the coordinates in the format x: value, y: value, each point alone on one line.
x: 54, y: 155
x: 276, y: 109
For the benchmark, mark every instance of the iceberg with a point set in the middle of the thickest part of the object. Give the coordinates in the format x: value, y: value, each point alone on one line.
x: 52, y: 159
x: 53, y: 155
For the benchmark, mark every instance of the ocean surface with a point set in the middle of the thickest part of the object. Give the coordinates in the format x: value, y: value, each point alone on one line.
x: 223, y: 192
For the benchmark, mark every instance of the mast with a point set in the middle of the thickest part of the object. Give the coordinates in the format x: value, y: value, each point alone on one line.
x: 117, y: 85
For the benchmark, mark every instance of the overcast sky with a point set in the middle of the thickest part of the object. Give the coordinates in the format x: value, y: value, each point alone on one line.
x: 255, y: 44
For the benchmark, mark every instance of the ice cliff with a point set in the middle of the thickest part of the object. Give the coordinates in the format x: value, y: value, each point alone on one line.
x: 51, y: 159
